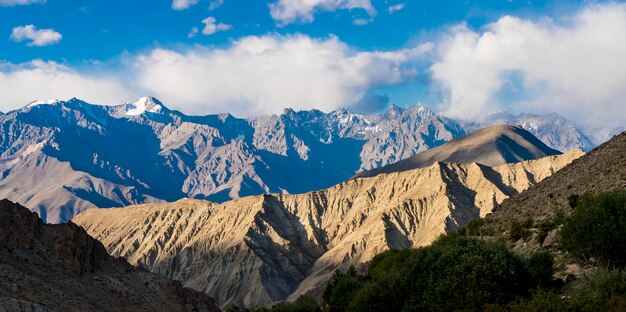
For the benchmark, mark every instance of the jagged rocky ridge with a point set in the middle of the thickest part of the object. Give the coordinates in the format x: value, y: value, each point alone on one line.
x: 47, y: 267
x: 80, y: 155
x: 257, y: 250
x: 61, y: 157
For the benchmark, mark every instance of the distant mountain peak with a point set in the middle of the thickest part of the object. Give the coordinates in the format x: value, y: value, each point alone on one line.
x: 419, y: 109
x: 394, y: 110
x: 145, y: 104
x: 491, y: 146
x: 288, y: 111
x: 43, y: 102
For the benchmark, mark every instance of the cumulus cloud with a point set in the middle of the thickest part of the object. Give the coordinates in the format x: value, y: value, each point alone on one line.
x: 576, y: 68
x: 289, y: 11
x: 37, y: 80
x: 19, y: 2
x: 260, y: 75
x: 183, y: 4
x: 395, y: 8
x: 211, y: 26
x: 253, y: 76
x: 37, y: 37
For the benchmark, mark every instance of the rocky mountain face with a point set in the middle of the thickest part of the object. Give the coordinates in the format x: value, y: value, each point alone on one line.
x: 47, y: 267
x: 600, y: 170
x: 491, y: 146
x: 257, y: 250
x: 554, y: 130
x: 61, y: 157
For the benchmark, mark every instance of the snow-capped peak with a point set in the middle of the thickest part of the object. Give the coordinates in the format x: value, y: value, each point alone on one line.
x: 144, y: 104
x: 42, y: 102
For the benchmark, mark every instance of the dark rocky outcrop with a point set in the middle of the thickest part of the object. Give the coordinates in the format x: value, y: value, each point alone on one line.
x: 46, y: 267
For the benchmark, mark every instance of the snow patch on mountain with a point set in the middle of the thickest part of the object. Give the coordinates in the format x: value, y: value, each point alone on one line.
x: 143, y: 105
x: 43, y: 102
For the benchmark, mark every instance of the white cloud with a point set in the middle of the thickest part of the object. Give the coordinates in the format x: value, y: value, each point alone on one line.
x: 211, y: 26
x: 37, y: 37
x: 255, y: 75
x: 362, y: 21
x: 215, y: 4
x: 577, y: 68
x: 193, y: 32
x: 183, y: 4
x: 289, y: 11
x: 39, y: 80
x: 260, y: 75
x: 19, y: 2
x: 395, y: 8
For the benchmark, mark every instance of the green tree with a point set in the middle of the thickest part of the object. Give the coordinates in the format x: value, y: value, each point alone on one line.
x: 596, y: 229
x: 454, y: 273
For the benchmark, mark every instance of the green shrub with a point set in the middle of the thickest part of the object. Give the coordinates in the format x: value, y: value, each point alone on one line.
x: 454, y: 273
x: 550, y: 224
x: 572, y: 200
x: 473, y: 227
x: 540, y: 300
x: 519, y: 230
x: 602, y: 290
x: 341, y: 288
x: 596, y: 229
x: 539, y: 266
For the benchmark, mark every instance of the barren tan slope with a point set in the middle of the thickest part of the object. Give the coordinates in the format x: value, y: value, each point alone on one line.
x: 602, y: 169
x: 491, y: 146
x: 257, y: 250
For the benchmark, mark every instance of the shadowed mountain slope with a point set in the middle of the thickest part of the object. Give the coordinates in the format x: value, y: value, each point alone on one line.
x: 47, y: 267
x: 491, y: 146
x: 257, y: 250
x: 602, y: 169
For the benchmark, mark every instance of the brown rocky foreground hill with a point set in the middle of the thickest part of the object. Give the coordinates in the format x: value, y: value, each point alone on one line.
x: 257, y: 250
x: 47, y: 267
x: 602, y: 169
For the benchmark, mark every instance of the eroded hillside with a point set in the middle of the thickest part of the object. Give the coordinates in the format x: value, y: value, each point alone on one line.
x: 256, y: 250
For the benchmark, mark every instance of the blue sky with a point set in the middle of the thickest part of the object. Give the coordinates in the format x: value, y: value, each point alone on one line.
x: 104, y: 29
x: 109, y: 51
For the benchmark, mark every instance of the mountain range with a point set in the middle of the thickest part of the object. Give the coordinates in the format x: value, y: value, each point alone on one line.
x: 257, y: 250
x: 554, y: 130
x: 62, y: 157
